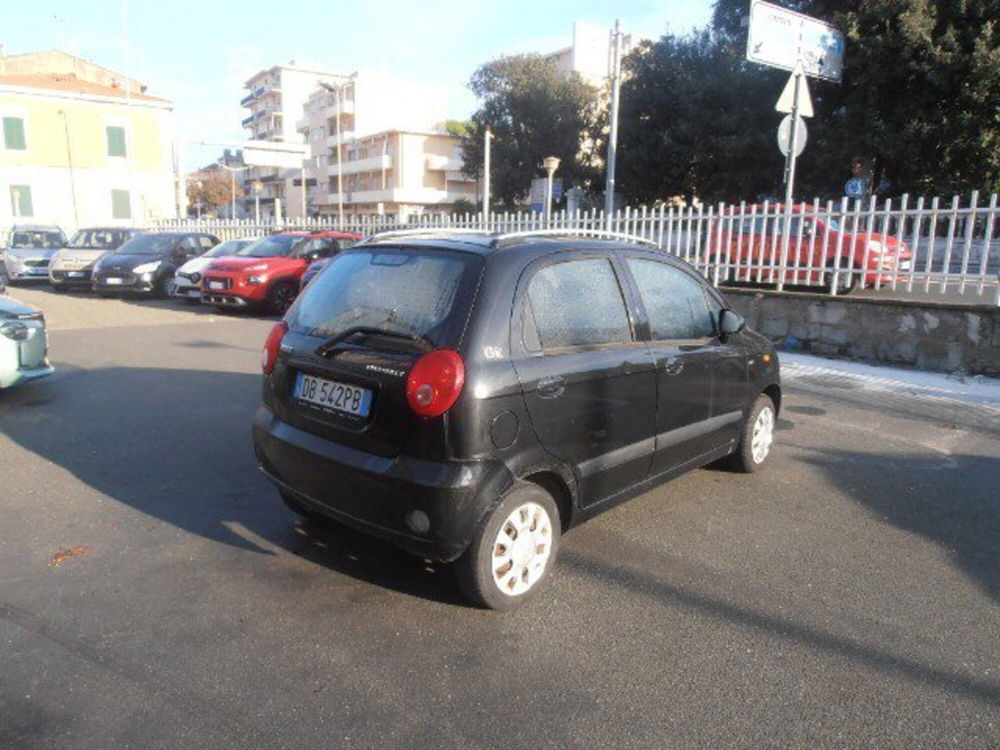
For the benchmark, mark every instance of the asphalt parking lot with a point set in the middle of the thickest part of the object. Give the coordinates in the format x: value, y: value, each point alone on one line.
x: 154, y: 591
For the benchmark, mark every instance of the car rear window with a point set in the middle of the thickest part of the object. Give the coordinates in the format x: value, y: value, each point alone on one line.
x: 425, y: 292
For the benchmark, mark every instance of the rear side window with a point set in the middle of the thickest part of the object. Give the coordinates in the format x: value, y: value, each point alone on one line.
x: 674, y: 301
x: 427, y: 293
x: 576, y: 303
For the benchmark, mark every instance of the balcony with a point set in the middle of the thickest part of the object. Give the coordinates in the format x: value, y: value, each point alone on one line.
x: 372, y: 164
x: 457, y: 176
x: 346, y: 136
x: 363, y: 196
x: 436, y: 163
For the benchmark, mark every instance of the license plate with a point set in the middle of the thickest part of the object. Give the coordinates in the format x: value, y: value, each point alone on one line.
x: 75, y: 274
x: 217, y: 285
x: 112, y: 280
x: 333, y: 396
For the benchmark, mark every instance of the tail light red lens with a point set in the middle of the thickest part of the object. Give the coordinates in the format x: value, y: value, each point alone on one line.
x: 435, y: 382
x: 269, y: 354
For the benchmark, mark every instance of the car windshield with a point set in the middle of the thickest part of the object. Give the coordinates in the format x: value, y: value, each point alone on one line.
x: 426, y: 293
x: 229, y: 247
x: 149, y: 244
x: 22, y: 239
x: 269, y: 247
x: 99, y: 239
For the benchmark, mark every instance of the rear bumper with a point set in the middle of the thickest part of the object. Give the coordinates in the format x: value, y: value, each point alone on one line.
x: 378, y: 495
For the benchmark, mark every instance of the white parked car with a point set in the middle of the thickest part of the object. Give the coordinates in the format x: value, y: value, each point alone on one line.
x: 24, y: 344
x: 186, y: 283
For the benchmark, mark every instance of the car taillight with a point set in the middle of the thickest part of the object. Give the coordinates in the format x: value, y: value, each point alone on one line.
x: 435, y: 382
x: 269, y: 354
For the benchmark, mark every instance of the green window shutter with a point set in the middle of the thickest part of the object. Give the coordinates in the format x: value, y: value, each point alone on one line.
x: 116, y: 141
x: 20, y: 200
x: 121, y: 206
x: 13, y: 133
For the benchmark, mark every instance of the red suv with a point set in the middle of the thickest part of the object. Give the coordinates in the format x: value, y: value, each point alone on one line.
x: 748, y: 248
x: 266, y: 273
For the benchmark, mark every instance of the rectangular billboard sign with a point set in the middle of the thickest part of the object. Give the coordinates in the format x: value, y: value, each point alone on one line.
x: 781, y: 38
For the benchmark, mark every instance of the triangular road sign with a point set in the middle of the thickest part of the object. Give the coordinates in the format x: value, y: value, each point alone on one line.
x: 787, y: 98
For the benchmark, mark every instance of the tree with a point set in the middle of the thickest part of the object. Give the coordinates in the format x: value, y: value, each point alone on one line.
x: 920, y: 102
x: 211, y: 187
x: 534, y: 111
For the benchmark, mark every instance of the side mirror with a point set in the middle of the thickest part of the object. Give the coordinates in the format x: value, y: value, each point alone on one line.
x: 730, y: 322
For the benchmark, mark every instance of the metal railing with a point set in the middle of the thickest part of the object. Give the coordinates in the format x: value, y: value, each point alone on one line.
x: 924, y: 247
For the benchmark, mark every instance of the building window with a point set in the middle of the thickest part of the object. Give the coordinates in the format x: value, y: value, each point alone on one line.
x: 13, y: 134
x: 116, y: 141
x: 121, y: 204
x: 20, y: 200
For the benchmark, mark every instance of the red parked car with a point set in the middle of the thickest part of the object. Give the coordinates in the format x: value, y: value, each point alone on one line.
x: 748, y: 248
x: 266, y: 273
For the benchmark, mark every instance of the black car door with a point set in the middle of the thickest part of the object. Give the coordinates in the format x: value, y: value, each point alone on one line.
x: 688, y: 356
x: 588, y: 383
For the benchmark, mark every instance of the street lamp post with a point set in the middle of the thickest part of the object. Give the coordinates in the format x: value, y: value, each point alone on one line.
x: 339, y: 92
x: 232, y: 173
x: 257, y: 186
x: 486, y: 173
x: 551, y: 164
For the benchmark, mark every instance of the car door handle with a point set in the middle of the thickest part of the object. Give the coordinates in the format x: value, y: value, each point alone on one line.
x: 551, y: 387
x: 673, y: 366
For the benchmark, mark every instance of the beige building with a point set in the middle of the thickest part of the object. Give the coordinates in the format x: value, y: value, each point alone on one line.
x: 82, y: 145
x: 395, y: 157
x: 275, y: 102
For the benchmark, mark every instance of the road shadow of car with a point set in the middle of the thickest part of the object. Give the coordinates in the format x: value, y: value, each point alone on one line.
x: 175, y: 445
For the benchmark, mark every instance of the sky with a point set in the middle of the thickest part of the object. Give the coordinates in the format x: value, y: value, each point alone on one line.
x: 199, y: 54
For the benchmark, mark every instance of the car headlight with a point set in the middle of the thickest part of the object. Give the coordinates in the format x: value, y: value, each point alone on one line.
x: 147, y: 267
x: 14, y: 331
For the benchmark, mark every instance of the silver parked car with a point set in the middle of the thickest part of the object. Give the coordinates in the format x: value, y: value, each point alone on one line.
x: 29, y: 249
x: 24, y: 344
x: 72, y: 265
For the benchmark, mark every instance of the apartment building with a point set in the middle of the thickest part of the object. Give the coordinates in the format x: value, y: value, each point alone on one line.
x: 589, y: 54
x: 81, y: 144
x: 394, y: 156
x: 275, y: 102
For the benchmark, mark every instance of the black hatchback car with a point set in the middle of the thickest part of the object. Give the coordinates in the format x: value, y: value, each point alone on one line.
x: 145, y: 263
x: 471, y: 397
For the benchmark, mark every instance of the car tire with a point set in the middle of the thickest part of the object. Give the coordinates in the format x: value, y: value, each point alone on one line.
x: 280, y: 296
x: 847, y: 278
x: 501, y: 576
x: 756, y: 438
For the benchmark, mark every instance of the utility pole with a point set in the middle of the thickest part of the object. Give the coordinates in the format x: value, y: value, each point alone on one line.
x: 615, y: 72
x: 486, y: 173
x: 69, y: 163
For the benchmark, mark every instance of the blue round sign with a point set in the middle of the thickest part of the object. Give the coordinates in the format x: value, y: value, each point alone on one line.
x: 855, y: 187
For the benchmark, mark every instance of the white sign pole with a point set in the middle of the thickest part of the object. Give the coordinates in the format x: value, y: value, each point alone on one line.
x: 790, y: 178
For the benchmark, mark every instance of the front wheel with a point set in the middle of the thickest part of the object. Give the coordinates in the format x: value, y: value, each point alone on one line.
x: 757, y: 437
x: 281, y: 297
x: 842, y: 281
x: 513, y: 549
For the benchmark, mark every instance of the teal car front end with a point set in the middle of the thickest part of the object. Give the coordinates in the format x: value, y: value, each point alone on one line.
x: 24, y: 344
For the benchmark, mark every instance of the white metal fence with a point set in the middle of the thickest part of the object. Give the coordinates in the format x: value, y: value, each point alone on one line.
x: 930, y: 247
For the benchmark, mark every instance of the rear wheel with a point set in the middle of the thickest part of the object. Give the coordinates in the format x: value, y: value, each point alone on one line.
x: 513, y: 549
x: 281, y: 296
x: 757, y: 437
x: 844, y: 280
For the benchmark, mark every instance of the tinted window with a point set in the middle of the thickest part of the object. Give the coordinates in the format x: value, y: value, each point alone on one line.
x: 270, y: 247
x: 426, y: 293
x: 148, y: 244
x: 674, y: 301
x: 577, y: 303
x: 99, y: 239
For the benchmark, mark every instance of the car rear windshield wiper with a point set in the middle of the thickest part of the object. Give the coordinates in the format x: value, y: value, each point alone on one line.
x: 327, y: 347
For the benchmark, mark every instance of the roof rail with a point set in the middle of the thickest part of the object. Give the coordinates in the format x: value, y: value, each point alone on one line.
x: 390, y: 233
x: 569, y: 231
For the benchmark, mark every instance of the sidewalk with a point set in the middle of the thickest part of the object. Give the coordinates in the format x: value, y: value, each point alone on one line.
x: 976, y: 389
